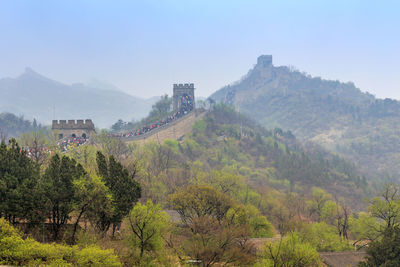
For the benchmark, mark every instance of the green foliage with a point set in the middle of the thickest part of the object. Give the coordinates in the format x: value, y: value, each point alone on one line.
x: 335, y: 115
x: 290, y: 251
x: 364, y: 227
x: 58, y: 183
x: 383, y: 213
x: 386, y: 251
x: 161, y: 108
x: 323, y: 237
x: 199, y: 201
x: 17, y: 251
x: 11, y: 125
x: 20, y: 195
x: 211, y: 241
x: 93, y: 201
x: 250, y: 216
x: 387, y: 206
x: 147, y: 224
x: 124, y: 189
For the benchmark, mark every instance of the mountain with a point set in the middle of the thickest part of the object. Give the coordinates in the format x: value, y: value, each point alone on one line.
x: 35, y: 96
x: 336, y: 115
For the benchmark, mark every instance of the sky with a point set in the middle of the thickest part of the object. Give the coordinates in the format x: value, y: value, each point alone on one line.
x: 143, y: 47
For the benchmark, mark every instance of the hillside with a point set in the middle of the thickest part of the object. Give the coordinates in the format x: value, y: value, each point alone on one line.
x: 12, y: 126
x: 336, y: 115
x: 35, y: 96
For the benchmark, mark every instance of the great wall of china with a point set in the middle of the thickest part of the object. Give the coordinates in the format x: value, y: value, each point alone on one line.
x: 175, y: 130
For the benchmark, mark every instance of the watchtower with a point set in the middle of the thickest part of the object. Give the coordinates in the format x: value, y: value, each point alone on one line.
x: 183, y: 98
x: 73, y: 129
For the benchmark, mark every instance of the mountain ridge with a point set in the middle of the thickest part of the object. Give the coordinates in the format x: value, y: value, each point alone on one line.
x: 336, y: 115
x: 36, y: 96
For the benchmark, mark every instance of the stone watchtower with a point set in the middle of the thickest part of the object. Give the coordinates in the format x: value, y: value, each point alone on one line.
x: 183, y: 97
x: 73, y: 128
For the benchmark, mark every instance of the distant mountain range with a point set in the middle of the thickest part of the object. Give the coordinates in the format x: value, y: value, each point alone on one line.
x: 35, y: 96
x: 336, y: 115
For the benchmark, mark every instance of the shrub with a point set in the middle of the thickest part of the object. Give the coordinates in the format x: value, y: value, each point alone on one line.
x: 18, y: 251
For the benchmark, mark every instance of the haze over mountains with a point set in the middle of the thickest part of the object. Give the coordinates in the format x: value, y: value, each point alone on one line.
x: 336, y: 115
x: 35, y: 96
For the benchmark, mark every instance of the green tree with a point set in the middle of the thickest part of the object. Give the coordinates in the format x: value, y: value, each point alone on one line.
x: 198, y: 201
x: 93, y: 201
x: 124, y: 189
x: 148, y: 224
x: 161, y: 107
x: 323, y: 237
x: 58, y: 185
x: 20, y: 196
x: 250, y: 216
x: 386, y: 207
x: 291, y: 251
x: 37, y: 142
x: 386, y: 251
x: 118, y: 126
x: 211, y: 241
x: 317, y: 202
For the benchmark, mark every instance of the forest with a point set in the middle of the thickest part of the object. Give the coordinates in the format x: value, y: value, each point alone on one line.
x: 206, y: 200
x: 336, y: 115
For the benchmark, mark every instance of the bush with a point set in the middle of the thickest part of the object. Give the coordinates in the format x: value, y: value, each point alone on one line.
x: 324, y: 237
x: 290, y: 251
x: 18, y: 251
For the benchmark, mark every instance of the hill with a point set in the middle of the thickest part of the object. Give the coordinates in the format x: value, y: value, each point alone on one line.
x: 12, y: 126
x: 35, y: 96
x: 336, y: 115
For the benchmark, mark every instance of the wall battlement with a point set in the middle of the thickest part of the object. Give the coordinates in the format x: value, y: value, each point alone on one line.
x: 183, y: 85
x: 183, y: 90
x: 72, y: 124
x: 72, y: 128
x: 264, y: 60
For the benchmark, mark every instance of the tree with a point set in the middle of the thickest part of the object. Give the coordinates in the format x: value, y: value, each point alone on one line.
x: 386, y: 207
x: 19, y: 185
x: 209, y: 234
x: 323, y: 237
x: 36, y: 142
x: 198, y: 201
x: 211, y: 241
x: 161, y: 107
x: 250, y: 216
x: 385, y: 252
x: 93, y: 200
x: 148, y: 224
x: 118, y: 126
x: 317, y: 202
x: 112, y: 146
x: 58, y: 185
x: 291, y: 251
x: 123, y: 187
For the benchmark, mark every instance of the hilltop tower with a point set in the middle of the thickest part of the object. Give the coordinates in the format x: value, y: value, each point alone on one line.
x: 264, y: 60
x: 183, y: 97
x: 72, y: 128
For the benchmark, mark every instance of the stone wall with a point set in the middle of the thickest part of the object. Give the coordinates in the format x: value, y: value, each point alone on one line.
x: 72, y: 128
x: 175, y: 130
x: 180, y: 90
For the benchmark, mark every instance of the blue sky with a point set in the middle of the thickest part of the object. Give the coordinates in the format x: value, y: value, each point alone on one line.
x: 143, y: 47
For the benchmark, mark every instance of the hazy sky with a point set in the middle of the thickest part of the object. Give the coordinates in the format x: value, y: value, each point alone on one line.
x: 144, y: 46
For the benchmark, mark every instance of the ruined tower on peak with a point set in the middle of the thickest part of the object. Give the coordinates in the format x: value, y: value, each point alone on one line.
x: 183, y: 97
x: 264, y: 60
x: 73, y: 129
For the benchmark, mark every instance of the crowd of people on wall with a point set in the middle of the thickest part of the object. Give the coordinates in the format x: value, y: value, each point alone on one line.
x: 186, y: 106
x: 37, y: 151
x: 62, y: 145
x: 66, y: 143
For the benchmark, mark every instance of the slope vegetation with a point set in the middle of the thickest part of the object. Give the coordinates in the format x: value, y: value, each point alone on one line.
x: 333, y: 114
